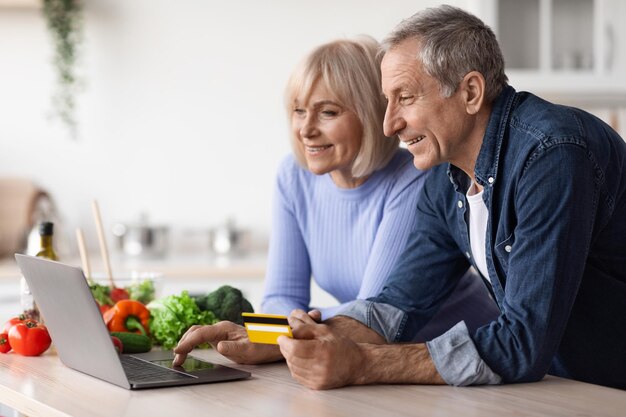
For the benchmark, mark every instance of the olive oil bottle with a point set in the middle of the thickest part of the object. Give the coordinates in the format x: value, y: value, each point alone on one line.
x: 46, y: 251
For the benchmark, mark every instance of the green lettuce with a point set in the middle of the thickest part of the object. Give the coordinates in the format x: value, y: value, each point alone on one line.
x: 172, y: 316
x: 141, y: 291
x: 101, y: 293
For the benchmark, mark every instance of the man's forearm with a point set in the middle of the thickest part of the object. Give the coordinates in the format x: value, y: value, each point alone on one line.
x: 397, y: 364
x: 385, y: 363
x: 354, y: 330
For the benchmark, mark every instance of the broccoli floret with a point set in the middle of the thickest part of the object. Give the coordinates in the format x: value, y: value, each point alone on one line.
x: 227, y: 303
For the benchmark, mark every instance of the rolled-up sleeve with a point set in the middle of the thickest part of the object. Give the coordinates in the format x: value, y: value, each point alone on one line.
x: 453, y: 353
x: 457, y: 359
x: 384, y: 319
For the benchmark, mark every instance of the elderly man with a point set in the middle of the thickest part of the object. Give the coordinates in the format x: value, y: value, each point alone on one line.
x: 530, y: 193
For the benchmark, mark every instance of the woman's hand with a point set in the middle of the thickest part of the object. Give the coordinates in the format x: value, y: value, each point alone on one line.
x: 230, y: 340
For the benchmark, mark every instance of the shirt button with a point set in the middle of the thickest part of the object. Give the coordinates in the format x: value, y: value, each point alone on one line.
x: 490, y: 180
x: 467, y: 254
x: 460, y: 204
x: 508, y: 248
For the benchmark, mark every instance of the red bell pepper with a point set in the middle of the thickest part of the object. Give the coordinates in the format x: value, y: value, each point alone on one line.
x: 29, y: 338
x: 127, y: 316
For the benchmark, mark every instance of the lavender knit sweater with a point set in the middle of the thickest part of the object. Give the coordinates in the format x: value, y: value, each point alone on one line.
x: 348, y: 240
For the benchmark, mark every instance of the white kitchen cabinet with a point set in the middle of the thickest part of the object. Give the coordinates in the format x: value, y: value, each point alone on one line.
x: 575, y: 47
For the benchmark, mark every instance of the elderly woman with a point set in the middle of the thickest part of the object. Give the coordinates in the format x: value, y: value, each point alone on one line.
x: 345, y: 204
x: 345, y: 201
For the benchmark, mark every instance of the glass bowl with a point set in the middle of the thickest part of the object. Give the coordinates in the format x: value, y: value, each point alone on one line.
x: 141, y: 286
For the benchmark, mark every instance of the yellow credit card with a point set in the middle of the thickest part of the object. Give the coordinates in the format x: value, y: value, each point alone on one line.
x: 265, y: 328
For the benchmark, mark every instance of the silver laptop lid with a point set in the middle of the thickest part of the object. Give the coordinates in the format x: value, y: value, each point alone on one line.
x: 73, y: 318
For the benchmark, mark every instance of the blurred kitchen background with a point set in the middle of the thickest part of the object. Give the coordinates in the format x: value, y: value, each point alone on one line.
x: 181, y: 123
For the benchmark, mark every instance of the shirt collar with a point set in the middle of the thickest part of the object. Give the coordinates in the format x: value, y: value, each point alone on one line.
x: 486, y: 168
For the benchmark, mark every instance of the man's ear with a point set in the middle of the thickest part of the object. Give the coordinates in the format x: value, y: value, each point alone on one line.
x: 472, y: 88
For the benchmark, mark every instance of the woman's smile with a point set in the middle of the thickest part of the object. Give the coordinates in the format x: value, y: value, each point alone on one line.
x: 316, y: 150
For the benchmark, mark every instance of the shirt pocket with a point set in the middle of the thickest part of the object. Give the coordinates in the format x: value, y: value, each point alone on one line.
x: 503, y: 251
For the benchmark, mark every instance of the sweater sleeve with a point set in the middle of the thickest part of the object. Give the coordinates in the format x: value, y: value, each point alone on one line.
x: 288, y: 274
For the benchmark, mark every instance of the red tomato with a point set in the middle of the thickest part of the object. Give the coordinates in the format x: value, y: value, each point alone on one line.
x: 13, y: 321
x: 29, y: 338
x: 104, y: 308
x: 4, y: 343
x: 118, y: 294
x: 118, y: 344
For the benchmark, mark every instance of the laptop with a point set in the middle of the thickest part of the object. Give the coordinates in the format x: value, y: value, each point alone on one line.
x: 83, y: 342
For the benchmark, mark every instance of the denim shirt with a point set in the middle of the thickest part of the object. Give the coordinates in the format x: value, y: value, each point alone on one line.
x: 555, y: 186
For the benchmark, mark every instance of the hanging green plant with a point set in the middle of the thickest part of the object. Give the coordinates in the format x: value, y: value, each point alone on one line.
x: 64, y: 21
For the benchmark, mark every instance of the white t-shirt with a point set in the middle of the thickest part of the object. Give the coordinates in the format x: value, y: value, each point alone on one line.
x: 478, y: 216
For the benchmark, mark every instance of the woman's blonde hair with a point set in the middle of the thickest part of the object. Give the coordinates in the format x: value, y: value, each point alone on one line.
x: 350, y: 70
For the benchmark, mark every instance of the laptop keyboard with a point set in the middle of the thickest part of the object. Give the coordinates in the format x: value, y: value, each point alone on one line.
x: 142, y: 371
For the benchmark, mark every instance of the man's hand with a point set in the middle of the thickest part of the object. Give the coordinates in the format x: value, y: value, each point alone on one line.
x: 346, y: 352
x: 316, y: 315
x: 230, y: 340
x: 319, y: 357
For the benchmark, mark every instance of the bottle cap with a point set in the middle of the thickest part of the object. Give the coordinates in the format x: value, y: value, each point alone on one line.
x: 45, y: 228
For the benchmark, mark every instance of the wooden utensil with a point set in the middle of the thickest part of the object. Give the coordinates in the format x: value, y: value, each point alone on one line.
x: 84, y: 258
x: 103, y: 244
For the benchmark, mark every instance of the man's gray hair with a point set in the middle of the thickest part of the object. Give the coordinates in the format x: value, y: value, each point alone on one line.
x: 453, y: 43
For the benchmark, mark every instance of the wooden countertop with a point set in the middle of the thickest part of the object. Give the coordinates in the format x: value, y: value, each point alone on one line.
x: 42, y: 386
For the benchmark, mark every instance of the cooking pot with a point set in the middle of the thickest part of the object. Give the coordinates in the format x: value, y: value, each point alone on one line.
x: 226, y: 239
x: 142, y: 239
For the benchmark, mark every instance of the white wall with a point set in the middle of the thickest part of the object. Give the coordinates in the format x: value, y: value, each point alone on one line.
x: 182, y: 113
